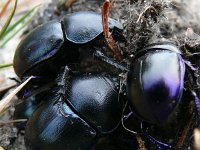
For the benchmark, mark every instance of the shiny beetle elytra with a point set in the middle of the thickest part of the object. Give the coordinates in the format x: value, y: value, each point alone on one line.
x: 155, y: 82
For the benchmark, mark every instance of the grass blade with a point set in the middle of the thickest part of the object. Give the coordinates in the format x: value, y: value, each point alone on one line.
x: 20, y: 24
x: 5, y: 65
x: 9, y: 37
x: 12, y: 27
x: 8, y: 21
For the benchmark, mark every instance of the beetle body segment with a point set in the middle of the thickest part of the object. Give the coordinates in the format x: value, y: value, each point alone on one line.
x: 155, y: 84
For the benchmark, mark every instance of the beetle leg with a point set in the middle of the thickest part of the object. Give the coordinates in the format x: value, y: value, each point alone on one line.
x: 100, y: 56
x: 108, y: 37
x: 15, y: 79
x: 159, y: 144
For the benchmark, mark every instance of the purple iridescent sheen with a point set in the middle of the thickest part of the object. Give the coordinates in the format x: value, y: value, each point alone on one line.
x: 157, y: 72
x: 155, y: 85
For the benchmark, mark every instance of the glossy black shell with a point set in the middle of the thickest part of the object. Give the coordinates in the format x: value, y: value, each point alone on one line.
x: 155, y: 82
x: 56, y: 43
x: 96, y: 98
x: 91, y: 106
x: 82, y: 27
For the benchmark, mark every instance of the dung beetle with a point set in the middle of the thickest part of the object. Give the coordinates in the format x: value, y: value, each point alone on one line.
x: 56, y: 43
x: 75, y: 113
x: 155, y: 82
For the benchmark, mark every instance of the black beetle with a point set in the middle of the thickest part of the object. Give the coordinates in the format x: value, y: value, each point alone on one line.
x: 78, y: 110
x: 55, y: 43
x: 155, y: 82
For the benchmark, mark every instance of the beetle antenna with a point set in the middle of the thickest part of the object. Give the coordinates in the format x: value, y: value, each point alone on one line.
x: 109, y: 39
